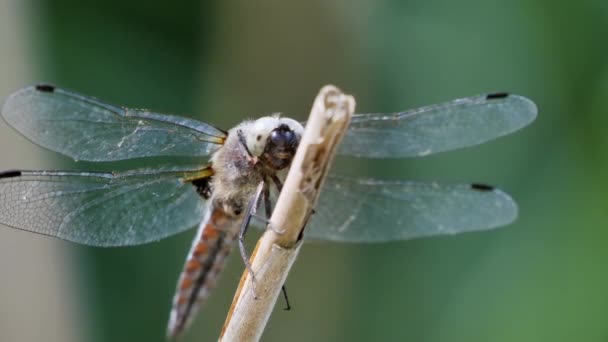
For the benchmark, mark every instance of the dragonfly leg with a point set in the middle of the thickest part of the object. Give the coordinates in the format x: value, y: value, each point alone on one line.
x: 279, y: 185
x: 268, y: 207
x: 275, y: 229
x: 269, y: 224
x: 252, y: 207
x: 277, y: 182
x: 267, y: 202
x: 287, y: 305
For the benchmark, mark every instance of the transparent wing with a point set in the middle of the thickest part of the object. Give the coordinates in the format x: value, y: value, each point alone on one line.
x: 100, y: 209
x: 366, y: 210
x: 437, y: 128
x: 85, y: 128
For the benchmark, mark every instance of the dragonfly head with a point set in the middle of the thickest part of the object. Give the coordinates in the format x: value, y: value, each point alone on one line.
x: 275, y: 141
x: 281, y: 146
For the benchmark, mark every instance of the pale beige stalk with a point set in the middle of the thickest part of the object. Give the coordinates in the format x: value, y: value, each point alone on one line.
x: 275, y: 253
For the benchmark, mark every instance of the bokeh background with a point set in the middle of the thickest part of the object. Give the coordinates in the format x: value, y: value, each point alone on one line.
x: 543, y: 278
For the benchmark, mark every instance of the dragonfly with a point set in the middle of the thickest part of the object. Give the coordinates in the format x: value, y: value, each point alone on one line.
x: 239, y: 170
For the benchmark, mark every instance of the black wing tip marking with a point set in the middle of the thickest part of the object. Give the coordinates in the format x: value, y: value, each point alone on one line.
x: 482, y: 187
x: 10, y: 174
x: 47, y: 88
x: 496, y: 96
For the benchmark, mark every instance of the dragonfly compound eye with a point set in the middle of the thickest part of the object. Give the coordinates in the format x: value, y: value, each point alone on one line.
x: 282, y: 138
x: 280, y: 147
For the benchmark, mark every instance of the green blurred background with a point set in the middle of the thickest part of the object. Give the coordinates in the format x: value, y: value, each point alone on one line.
x: 541, y: 279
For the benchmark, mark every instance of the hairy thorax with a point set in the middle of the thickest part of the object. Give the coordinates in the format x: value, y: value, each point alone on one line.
x: 255, y: 152
x: 235, y: 178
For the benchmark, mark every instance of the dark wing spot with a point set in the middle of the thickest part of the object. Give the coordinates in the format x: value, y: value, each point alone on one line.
x: 482, y: 187
x: 10, y: 174
x: 496, y: 96
x: 47, y: 88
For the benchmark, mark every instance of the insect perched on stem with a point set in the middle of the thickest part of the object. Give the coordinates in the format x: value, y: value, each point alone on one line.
x: 244, y: 173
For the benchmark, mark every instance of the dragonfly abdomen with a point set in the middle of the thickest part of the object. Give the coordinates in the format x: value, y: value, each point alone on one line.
x: 206, y: 259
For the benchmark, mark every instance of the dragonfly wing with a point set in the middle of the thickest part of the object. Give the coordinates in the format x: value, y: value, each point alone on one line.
x: 366, y: 210
x: 100, y: 209
x: 437, y: 128
x: 85, y: 128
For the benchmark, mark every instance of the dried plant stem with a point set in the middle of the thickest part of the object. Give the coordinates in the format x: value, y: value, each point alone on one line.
x: 275, y: 253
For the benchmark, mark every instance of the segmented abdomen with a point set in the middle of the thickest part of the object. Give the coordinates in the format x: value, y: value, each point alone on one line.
x: 210, y: 247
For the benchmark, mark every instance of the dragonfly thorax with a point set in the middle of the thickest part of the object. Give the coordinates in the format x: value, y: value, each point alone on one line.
x: 253, y: 151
